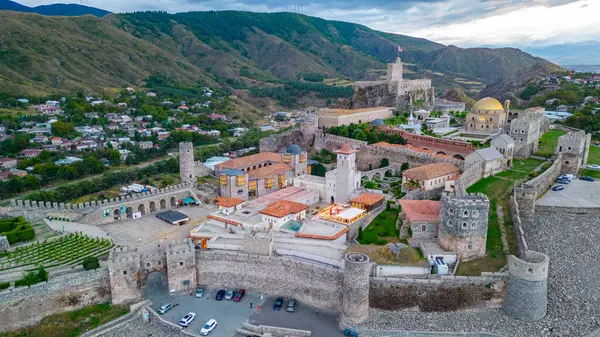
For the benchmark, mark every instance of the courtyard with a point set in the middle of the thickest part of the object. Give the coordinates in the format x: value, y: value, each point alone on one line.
x: 149, y: 230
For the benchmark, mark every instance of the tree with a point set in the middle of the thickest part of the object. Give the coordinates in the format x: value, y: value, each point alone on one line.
x: 404, y: 166
x: 384, y: 162
x: 360, y: 233
x: 90, y: 262
x: 42, y: 273
x: 319, y: 170
x: 62, y: 129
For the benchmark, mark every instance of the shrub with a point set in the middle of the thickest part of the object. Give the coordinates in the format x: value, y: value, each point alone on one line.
x: 4, y: 285
x: 91, y: 262
x: 360, y: 233
x: 43, y: 274
x: 27, y: 234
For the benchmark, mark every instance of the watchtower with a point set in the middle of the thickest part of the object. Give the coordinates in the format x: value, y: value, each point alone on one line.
x: 527, y: 292
x: 187, y: 170
x: 125, y: 275
x: 181, y: 266
x: 309, y: 128
x: 463, y: 224
x: 574, y: 147
x: 355, y: 294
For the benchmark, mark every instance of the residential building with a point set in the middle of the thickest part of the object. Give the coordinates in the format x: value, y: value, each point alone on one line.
x: 493, y: 161
x: 368, y: 201
x: 145, y: 145
x: 428, y: 177
x: 422, y: 217
x: 280, y: 212
x: 7, y: 163
x: 31, y: 153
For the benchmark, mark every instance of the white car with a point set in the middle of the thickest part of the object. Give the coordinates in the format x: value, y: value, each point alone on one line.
x: 208, y: 327
x: 187, y: 319
x: 165, y: 308
x: 595, y: 167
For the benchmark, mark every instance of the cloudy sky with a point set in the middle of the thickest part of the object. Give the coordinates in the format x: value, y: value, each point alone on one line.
x: 465, y: 23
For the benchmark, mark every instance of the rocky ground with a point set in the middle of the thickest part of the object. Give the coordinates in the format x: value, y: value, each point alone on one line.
x: 137, y: 327
x: 572, y: 241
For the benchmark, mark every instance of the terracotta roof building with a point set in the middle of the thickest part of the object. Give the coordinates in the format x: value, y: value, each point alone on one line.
x: 422, y: 217
x: 280, y: 212
x: 262, y: 173
x: 367, y: 201
x: 428, y: 177
x: 229, y: 205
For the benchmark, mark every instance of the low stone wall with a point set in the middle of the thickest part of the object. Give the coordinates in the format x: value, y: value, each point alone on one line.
x: 522, y: 247
x: 309, y: 283
x: 448, y: 293
x: 543, y: 181
x: 284, y: 332
x: 470, y: 176
x: 27, y: 306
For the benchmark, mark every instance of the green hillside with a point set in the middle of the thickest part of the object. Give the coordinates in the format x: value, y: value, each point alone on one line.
x: 238, y: 50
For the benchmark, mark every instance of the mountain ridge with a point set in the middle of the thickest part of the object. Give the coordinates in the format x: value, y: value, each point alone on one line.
x: 244, y: 48
x: 54, y: 9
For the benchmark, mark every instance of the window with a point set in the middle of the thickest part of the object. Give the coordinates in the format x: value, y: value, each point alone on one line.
x: 240, y: 180
x: 450, y: 223
x: 252, y: 185
x: 269, y: 182
x: 287, y: 158
x: 303, y: 157
x: 181, y: 263
x: 124, y: 272
x: 464, y: 224
x: 423, y: 228
x: 466, y: 213
x: 470, y: 247
x: 451, y: 210
x: 223, y: 179
x: 475, y: 213
x: 473, y: 225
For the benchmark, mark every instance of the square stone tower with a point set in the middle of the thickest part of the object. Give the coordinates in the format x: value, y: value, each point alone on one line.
x: 394, y: 71
x: 347, y: 177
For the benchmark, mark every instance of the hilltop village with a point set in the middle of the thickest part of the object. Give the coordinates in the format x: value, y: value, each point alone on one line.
x: 375, y: 217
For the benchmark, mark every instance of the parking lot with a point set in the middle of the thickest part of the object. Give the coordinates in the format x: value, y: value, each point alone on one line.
x: 578, y: 193
x: 230, y: 315
x: 149, y: 230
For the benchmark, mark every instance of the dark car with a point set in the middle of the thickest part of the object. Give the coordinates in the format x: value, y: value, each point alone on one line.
x: 291, y: 307
x: 586, y: 178
x: 563, y: 181
x: 220, y: 295
x: 238, y: 295
x: 558, y: 188
x: 278, y: 303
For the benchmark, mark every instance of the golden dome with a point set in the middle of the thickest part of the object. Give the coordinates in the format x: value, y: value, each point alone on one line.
x: 487, y: 103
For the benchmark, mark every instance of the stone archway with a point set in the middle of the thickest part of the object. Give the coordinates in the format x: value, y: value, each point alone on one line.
x: 142, y: 209
x: 332, y: 199
x: 152, y: 206
x: 129, y: 212
x: 441, y: 152
x: 173, y: 202
x: 117, y: 214
x: 156, y: 283
x: 378, y: 175
x: 458, y: 156
x: 163, y: 204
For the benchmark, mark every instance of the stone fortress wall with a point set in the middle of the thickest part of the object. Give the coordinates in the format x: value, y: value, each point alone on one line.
x: 27, y: 306
x: 527, y: 291
x: 93, y: 211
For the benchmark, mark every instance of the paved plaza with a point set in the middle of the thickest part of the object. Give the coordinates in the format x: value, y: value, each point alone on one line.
x: 149, y: 230
x: 578, y: 193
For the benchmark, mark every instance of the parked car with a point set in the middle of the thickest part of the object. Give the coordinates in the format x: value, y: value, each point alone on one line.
x: 230, y: 294
x: 220, y: 295
x: 558, y: 188
x: 291, y: 307
x: 278, y: 303
x: 594, y: 166
x: 208, y: 327
x: 586, y: 178
x: 563, y: 181
x: 238, y: 295
x: 567, y: 176
x: 187, y: 319
x: 165, y: 308
x: 200, y: 292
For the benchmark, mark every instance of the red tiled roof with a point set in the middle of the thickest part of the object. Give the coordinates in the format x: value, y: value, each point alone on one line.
x: 431, y: 171
x: 248, y: 161
x: 421, y: 210
x: 267, y: 171
x: 229, y: 202
x: 346, y: 149
x: 281, y: 208
x: 368, y: 199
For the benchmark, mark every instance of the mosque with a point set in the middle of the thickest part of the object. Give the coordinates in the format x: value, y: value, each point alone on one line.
x: 487, y: 116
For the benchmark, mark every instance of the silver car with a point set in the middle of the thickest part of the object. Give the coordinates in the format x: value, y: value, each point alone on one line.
x: 229, y: 295
x: 165, y: 308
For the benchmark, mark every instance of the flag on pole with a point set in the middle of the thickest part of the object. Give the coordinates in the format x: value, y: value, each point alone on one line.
x: 399, y: 48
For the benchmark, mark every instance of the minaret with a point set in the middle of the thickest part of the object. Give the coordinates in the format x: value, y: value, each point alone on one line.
x: 411, y: 120
x: 186, y: 162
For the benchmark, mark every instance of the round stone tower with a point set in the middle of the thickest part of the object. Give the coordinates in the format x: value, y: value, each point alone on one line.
x: 187, y: 171
x: 527, y: 292
x: 355, y: 296
x: 463, y: 225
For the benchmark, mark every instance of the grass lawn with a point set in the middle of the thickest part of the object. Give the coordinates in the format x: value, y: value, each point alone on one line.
x: 106, y: 194
x: 73, y: 323
x: 591, y: 173
x: 511, y: 174
x: 594, y: 156
x: 491, y: 186
x: 526, y: 165
x: 548, y: 142
x: 382, y: 229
